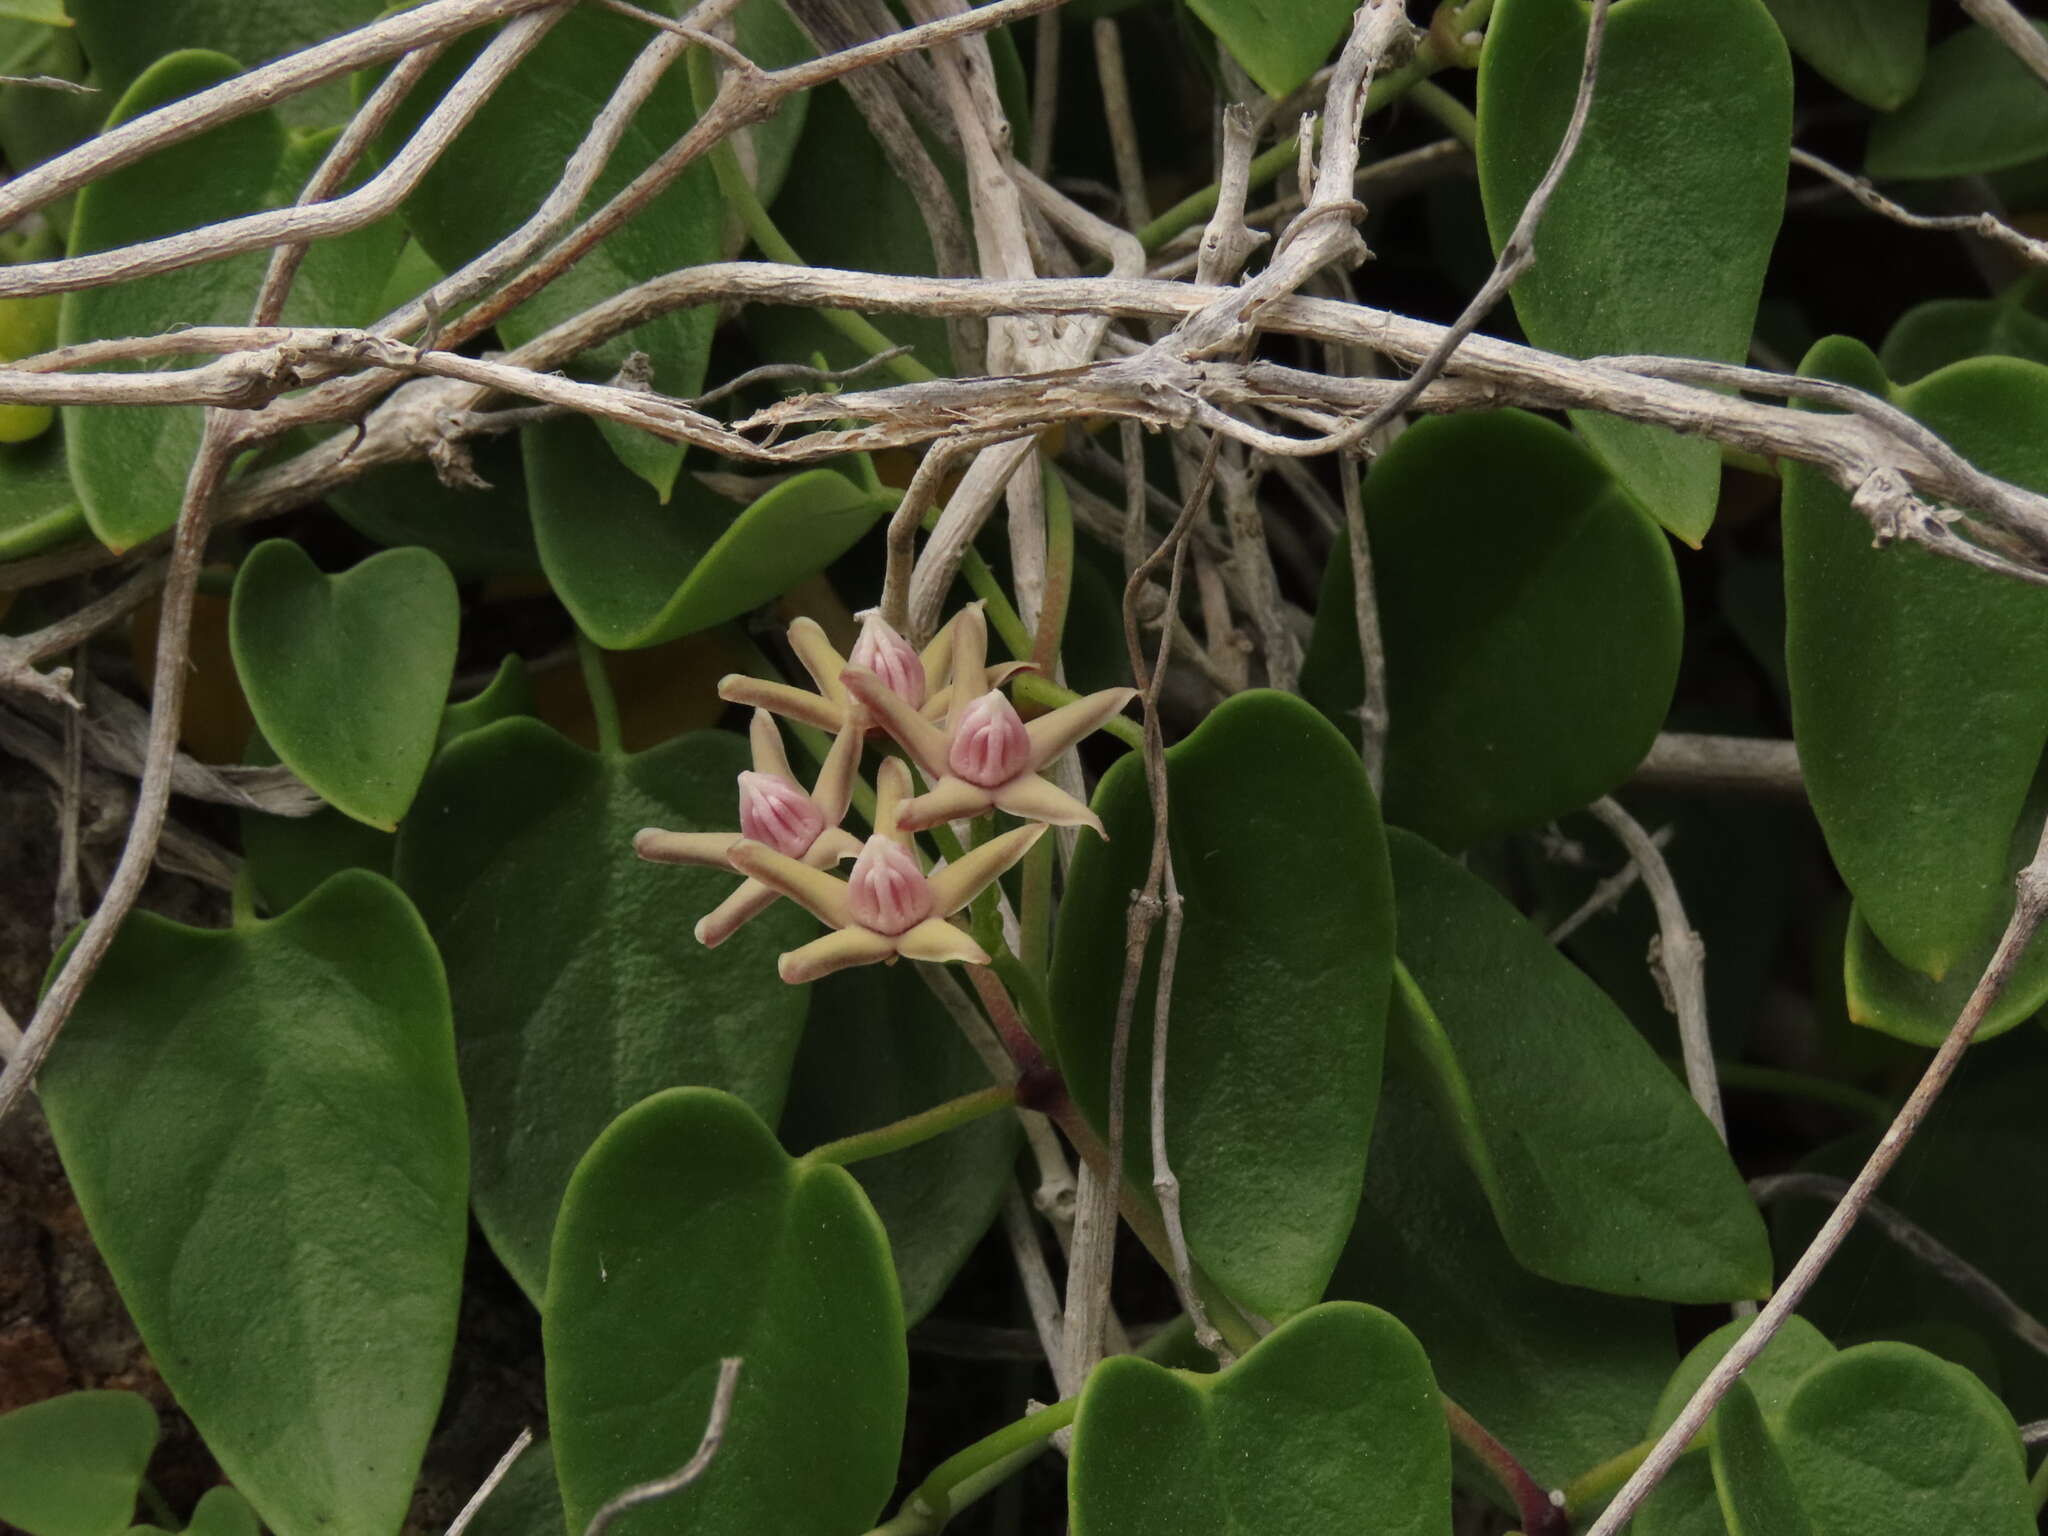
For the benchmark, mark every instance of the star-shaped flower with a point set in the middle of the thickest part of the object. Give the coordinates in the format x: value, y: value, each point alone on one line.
x: 920, y: 680
x: 985, y: 755
x: 776, y: 813
x: 887, y: 906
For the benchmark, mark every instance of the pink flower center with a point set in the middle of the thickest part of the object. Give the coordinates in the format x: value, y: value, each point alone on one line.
x: 775, y: 812
x: 990, y: 745
x: 890, y: 893
x: 889, y: 656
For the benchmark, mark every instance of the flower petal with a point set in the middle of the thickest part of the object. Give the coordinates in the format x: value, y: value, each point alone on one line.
x: 925, y: 742
x: 819, y: 893
x: 933, y: 939
x: 706, y: 849
x: 730, y: 915
x: 766, y: 741
x: 951, y: 799
x: 781, y: 699
x: 1052, y: 734
x: 820, y: 658
x: 834, y: 845
x: 834, y: 788
x: 974, y: 871
x: 1037, y: 799
x: 833, y: 952
x: 970, y: 654
x: 892, y: 789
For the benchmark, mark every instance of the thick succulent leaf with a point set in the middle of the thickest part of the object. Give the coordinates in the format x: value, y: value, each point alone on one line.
x: 265, y: 1132
x: 220, y: 1512
x: 347, y: 674
x: 1279, y: 994
x: 509, y: 158
x: 479, y: 532
x: 1874, y: 50
x: 635, y: 570
x: 1600, y: 1169
x: 38, y: 506
x: 1949, y: 1182
x: 878, y: 1048
x: 1531, y: 621
x: 1885, y: 1436
x: 1280, y: 43
x: 1917, y: 782
x: 27, y: 326
x: 1658, y: 236
x: 1943, y: 331
x: 1564, y: 1376
x: 71, y: 1465
x: 578, y: 986
x: 1755, y: 1487
x: 1333, y: 1413
x: 123, y: 39
x: 1978, y: 109
x: 688, y: 1235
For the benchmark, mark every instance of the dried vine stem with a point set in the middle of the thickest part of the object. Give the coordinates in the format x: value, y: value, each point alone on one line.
x: 2005, y: 21
x: 1607, y: 893
x: 2029, y: 908
x: 1681, y: 958
x: 21, y: 656
x: 1987, y: 224
x: 497, y: 1475
x: 707, y: 1450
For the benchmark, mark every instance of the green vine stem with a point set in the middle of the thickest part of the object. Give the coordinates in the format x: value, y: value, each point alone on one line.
x: 913, y: 1129
x: 1540, y: 1516
x: 1453, y: 114
x: 961, y: 1479
x: 1745, y: 1077
x: 604, y: 704
x: 1044, y: 693
x: 1593, y: 1488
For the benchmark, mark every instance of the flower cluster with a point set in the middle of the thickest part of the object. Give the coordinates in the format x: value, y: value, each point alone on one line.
x: 945, y: 709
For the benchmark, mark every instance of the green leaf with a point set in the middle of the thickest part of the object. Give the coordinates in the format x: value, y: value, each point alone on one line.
x: 578, y: 987
x: 1874, y: 50
x: 129, y: 463
x: 1756, y: 1492
x: 880, y: 1048
x: 688, y: 1235
x: 1334, y: 1413
x: 220, y: 1512
x: 1943, y: 331
x: 508, y: 695
x: 1658, y: 236
x: 478, y: 531
x: 528, y: 1502
x: 49, y: 13
x: 1918, y: 783
x: 1600, y: 1169
x: 1888, y: 1437
x: 38, y: 507
x: 1979, y: 108
x: 635, y: 571
x: 71, y: 1465
x: 1564, y: 1376
x: 1279, y: 995
x: 347, y: 674
x: 1280, y: 43
x: 509, y: 158
x: 265, y: 1133
x: 124, y: 40
x: 1531, y: 621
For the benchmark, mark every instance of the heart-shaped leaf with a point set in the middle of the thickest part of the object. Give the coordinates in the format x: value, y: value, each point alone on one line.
x: 1943, y: 331
x: 1873, y: 49
x: 578, y: 987
x: 123, y: 40
x: 1979, y: 108
x: 71, y: 1465
x: 265, y: 1133
x: 1658, y: 236
x: 1279, y: 996
x: 1918, y: 783
x: 1531, y: 621
x: 635, y: 571
x: 688, y: 1235
x: 1564, y: 1376
x: 1601, y: 1171
x: 880, y: 1048
x: 1888, y: 1437
x: 1333, y: 1414
x: 1280, y: 43
x: 220, y: 1512
x: 129, y: 463
x: 38, y: 506
x: 347, y: 674
x: 1755, y: 1487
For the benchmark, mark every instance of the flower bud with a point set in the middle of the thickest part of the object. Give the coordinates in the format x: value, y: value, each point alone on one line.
x: 889, y: 656
x: 889, y: 892
x: 778, y: 814
x: 990, y: 745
